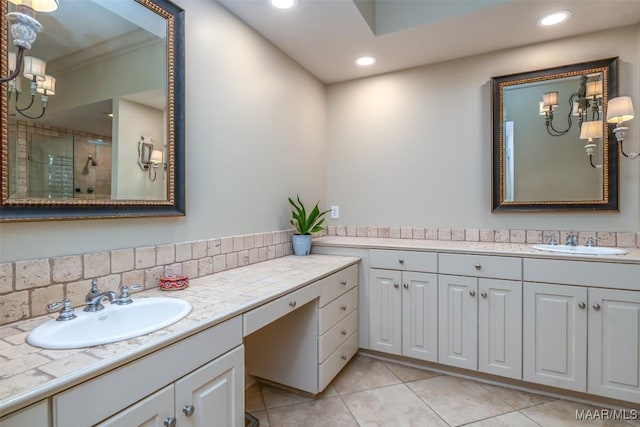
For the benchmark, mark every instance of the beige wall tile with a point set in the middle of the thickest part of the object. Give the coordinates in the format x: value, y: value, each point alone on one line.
x: 232, y: 260
x: 214, y: 247
x: 279, y: 250
x: 41, y: 297
x: 220, y: 263
x: 383, y: 232
x: 487, y: 235
x: 122, y: 260
x: 431, y: 233
x: 419, y: 233
x: 14, y: 306
x: 199, y: 249
x: 331, y: 230
x: 341, y: 230
x: 249, y: 241
x: 184, y: 251
x: 548, y: 235
x: 406, y: 233
x: 583, y: 236
x: 243, y: 258
x: 372, y: 232
x: 457, y: 234
x: 395, y: 232
x: 67, y: 268
x: 517, y: 236
x: 259, y: 240
x: 361, y: 231
x: 135, y: 277
x: 206, y: 266
x: 238, y: 243
x: 145, y: 257
x: 534, y: 236
x: 32, y: 274
x: 472, y: 235
x: 351, y: 230
x: 254, y: 255
x: 165, y: 254
x: 626, y: 240
x: 606, y: 239
x: 271, y: 252
x: 77, y: 292
x: 190, y: 268
x: 152, y: 277
x: 174, y: 269
x: 6, y: 277
x: 226, y: 245
x: 268, y: 239
x: 502, y: 236
x: 96, y: 264
x: 444, y: 234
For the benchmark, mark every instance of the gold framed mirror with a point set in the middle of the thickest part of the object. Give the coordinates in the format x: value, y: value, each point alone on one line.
x: 551, y: 146
x: 70, y: 148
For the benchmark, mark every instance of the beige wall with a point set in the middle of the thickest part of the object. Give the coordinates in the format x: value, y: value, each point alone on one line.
x: 413, y: 148
x: 255, y: 134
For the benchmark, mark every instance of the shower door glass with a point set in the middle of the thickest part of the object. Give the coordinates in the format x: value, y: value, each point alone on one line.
x: 50, y: 172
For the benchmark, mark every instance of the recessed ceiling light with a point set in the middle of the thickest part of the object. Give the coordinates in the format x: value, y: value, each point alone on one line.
x: 365, y: 61
x: 554, y: 18
x: 283, y: 4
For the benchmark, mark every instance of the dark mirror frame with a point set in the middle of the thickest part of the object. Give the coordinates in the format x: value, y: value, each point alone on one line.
x: 609, y: 68
x: 12, y: 210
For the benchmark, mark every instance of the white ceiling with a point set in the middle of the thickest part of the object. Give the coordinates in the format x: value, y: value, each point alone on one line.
x: 325, y: 36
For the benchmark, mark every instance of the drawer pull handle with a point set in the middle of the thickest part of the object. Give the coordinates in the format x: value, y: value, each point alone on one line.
x: 395, y: 285
x: 343, y: 357
x: 472, y: 293
x: 343, y: 307
x: 483, y: 294
x: 582, y: 304
x: 170, y: 422
x: 344, y: 332
x: 292, y: 303
x: 343, y: 283
x: 478, y: 267
x: 401, y: 261
x: 188, y: 410
x: 596, y: 306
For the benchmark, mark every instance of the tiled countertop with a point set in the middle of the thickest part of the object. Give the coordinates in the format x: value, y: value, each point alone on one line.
x: 28, y: 374
x: 485, y: 248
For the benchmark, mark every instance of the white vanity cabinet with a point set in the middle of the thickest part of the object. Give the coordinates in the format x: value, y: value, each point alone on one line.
x: 34, y: 415
x: 197, y: 381
x: 480, y: 313
x: 403, y: 303
x: 583, y: 338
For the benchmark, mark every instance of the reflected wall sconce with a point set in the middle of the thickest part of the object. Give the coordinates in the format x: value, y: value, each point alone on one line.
x: 149, y: 159
x: 591, y: 130
x: 587, y: 99
x: 620, y: 110
x: 25, y: 28
x: 154, y: 163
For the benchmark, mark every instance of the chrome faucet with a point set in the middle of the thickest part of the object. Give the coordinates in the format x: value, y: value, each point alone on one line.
x: 94, y: 297
x: 572, y: 239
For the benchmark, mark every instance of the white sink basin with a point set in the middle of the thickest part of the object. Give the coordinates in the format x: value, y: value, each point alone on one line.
x: 581, y: 250
x: 114, y: 323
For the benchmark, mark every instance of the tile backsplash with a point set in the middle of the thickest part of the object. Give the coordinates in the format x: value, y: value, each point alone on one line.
x: 26, y: 287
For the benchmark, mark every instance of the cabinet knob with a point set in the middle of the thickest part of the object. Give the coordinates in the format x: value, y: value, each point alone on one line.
x: 343, y: 307
x: 344, y: 332
x: 478, y: 267
x: 343, y: 357
x: 483, y: 294
x: 582, y: 304
x: 472, y: 293
x: 401, y: 261
x: 343, y: 283
x: 292, y: 303
x: 188, y: 410
x: 596, y: 306
x: 170, y: 422
x: 406, y: 286
x: 395, y: 285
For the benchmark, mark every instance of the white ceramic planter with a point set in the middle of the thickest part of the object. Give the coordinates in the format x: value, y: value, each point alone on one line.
x: 301, y: 244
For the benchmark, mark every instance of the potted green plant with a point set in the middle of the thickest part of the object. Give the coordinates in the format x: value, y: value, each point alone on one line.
x: 304, y: 224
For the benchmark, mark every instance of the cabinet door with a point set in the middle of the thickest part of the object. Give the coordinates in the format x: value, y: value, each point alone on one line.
x: 153, y: 411
x: 614, y: 344
x: 420, y: 316
x: 457, y: 326
x: 555, y: 335
x: 500, y: 327
x: 385, y: 311
x: 34, y: 415
x: 213, y: 395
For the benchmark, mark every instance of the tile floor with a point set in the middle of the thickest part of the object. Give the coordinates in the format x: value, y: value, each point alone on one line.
x: 371, y: 392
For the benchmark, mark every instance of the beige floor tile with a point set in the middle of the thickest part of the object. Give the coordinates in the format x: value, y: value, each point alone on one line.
x: 391, y: 406
x: 512, y: 419
x: 459, y: 401
x: 275, y: 397
x: 262, y: 417
x: 560, y: 413
x: 408, y: 373
x: 364, y: 373
x: 253, y: 400
x: 330, y: 412
x: 517, y: 398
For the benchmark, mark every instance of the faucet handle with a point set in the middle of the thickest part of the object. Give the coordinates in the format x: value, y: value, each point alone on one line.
x: 124, y: 297
x: 66, y: 312
x: 591, y: 241
x: 94, y: 286
x: 552, y: 240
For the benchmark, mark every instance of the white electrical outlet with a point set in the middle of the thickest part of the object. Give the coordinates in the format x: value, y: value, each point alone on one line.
x: 335, y: 212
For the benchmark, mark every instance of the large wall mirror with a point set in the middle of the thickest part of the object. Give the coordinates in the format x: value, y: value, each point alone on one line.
x: 103, y: 135
x: 552, y: 147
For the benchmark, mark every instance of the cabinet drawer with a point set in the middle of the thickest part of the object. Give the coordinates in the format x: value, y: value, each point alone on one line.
x: 583, y: 273
x: 404, y: 260
x: 338, y: 283
x: 337, y: 310
x: 267, y: 313
x: 338, y: 359
x: 149, y: 373
x: 34, y: 415
x: 334, y: 337
x: 480, y: 266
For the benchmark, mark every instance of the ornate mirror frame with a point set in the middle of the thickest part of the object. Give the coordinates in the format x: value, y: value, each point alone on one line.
x: 609, y: 69
x: 13, y: 210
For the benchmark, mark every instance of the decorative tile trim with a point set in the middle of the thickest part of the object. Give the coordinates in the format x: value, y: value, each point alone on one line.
x: 605, y: 238
x: 26, y: 287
